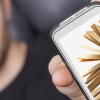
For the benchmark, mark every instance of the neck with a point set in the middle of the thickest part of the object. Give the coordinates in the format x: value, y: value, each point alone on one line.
x: 13, y: 63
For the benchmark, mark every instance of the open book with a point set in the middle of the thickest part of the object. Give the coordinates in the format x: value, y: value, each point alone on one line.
x: 93, y: 75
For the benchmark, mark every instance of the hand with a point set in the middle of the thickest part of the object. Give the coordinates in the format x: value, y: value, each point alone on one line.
x: 63, y: 80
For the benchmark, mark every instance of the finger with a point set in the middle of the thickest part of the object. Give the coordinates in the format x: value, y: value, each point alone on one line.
x: 60, y: 74
x: 63, y: 80
x: 73, y: 91
x: 53, y: 65
x: 62, y: 77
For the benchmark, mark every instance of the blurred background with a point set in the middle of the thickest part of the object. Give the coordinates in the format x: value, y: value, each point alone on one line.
x: 32, y: 17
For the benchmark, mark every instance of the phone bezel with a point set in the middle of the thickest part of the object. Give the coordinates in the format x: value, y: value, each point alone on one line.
x: 67, y: 61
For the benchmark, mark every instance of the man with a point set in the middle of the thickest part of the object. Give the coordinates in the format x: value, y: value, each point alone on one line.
x: 29, y: 85
x: 10, y: 51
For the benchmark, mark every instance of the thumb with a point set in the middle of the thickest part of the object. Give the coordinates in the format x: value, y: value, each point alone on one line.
x: 63, y: 80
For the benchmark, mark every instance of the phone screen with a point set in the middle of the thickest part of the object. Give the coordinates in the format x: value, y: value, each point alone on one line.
x: 82, y: 46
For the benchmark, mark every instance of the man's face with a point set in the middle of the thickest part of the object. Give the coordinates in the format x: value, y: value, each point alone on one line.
x: 3, y: 33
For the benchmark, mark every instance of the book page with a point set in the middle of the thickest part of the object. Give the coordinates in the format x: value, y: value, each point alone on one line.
x: 82, y: 45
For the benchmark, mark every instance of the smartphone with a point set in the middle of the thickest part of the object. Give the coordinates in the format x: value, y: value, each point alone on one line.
x: 77, y: 39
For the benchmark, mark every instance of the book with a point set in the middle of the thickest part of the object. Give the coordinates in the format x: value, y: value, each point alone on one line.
x: 93, y: 75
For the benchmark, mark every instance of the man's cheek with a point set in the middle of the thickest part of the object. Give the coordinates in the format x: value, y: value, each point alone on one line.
x: 7, y: 8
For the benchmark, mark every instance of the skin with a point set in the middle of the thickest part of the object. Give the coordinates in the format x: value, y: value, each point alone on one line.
x: 4, y: 41
x: 61, y: 77
x: 14, y: 51
x: 1, y: 37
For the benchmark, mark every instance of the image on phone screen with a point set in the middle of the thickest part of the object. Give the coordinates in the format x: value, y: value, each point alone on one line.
x: 82, y: 46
